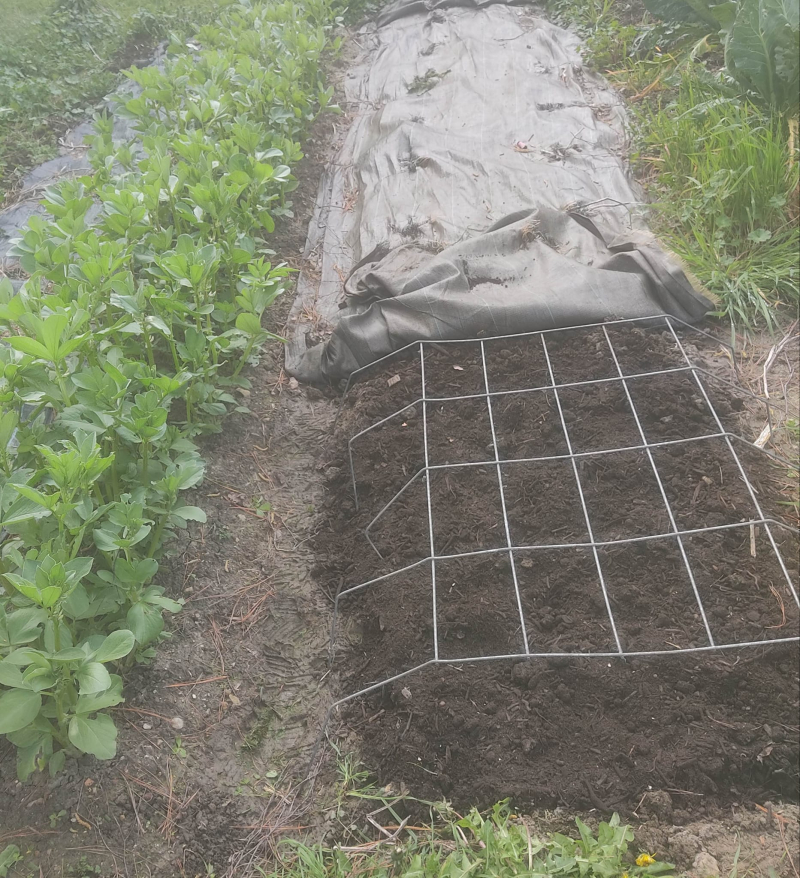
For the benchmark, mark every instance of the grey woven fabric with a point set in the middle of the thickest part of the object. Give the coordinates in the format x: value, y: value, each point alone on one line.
x: 480, y: 189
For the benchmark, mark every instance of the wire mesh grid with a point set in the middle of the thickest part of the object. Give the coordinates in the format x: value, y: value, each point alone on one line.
x: 512, y: 550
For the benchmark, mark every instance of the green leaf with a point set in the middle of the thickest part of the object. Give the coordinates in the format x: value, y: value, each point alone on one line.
x: 10, y: 675
x: 50, y: 332
x: 164, y: 602
x: 56, y: 762
x: 8, y: 856
x: 28, y: 758
x: 96, y: 736
x: 76, y: 606
x: 109, y: 698
x: 21, y: 510
x: 93, y: 678
x: 48, y: 501
x: 146, y: 622
x: 29, y: 346
x: 18, y: 708
x: 759, y: 235
x: 116, y: 646
x: 138, y: 573
x: 68, y: 655
x: 190, y: 513
x: 22, y: 626
x: 763, y: 50
x: 249, y: 324
x: 8, y: 423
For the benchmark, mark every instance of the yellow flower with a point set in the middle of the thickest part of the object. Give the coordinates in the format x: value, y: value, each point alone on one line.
x: 645, y: 860
x: 625, y: 875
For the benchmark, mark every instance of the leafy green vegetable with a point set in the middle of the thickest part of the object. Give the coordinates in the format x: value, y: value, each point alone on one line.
x: 762, y: 42
x: 763, y: 50
x: 126, y: 342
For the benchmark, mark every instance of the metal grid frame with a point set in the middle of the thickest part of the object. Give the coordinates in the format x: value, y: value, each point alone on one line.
x: 675, y: 533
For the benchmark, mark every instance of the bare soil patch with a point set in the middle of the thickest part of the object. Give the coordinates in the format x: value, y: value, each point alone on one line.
x: 711, y: 728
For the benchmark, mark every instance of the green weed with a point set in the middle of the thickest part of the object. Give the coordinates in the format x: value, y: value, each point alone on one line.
x: 83, y: 869
x: 353, y: 781
x: 56, y: 817
x: 723, y: 178
x: 723, y: 172
x: 8, y: 856
x: 265, y: 719
x: 491, y: 846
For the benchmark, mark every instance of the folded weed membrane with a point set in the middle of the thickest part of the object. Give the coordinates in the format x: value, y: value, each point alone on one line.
x: 482, y: 186
x: 612, y: 601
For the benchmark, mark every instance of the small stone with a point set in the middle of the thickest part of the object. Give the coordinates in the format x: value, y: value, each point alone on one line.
x: 705, y: 866
x: 177, y: 723
x: 146, y: 726
x: 406, y: 692
x: 293, y: 384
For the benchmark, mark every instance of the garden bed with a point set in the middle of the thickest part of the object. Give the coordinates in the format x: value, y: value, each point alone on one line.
x: 576, y: 726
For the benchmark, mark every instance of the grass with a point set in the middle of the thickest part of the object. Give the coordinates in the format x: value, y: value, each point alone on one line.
x: 42, y: 94
x: 724, y: 179
x: 721, y: 172
x: 16, y: 18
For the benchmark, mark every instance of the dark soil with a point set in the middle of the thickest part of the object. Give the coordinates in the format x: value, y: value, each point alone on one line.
x: 712, y: 728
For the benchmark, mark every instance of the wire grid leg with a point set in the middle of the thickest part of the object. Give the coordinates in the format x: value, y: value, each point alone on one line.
x: 428, y: 494
x: 673, y: 524
x: 583, y: 500
x: 503, y: 502
x: 742, y: 472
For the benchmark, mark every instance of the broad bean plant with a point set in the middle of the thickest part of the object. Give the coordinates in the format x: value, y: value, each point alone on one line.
x: 147, y: 286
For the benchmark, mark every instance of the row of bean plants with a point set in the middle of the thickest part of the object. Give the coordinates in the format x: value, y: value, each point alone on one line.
x: 148, y: 282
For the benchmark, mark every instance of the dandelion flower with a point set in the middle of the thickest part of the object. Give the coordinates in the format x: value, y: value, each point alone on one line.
x: 645, y: 860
